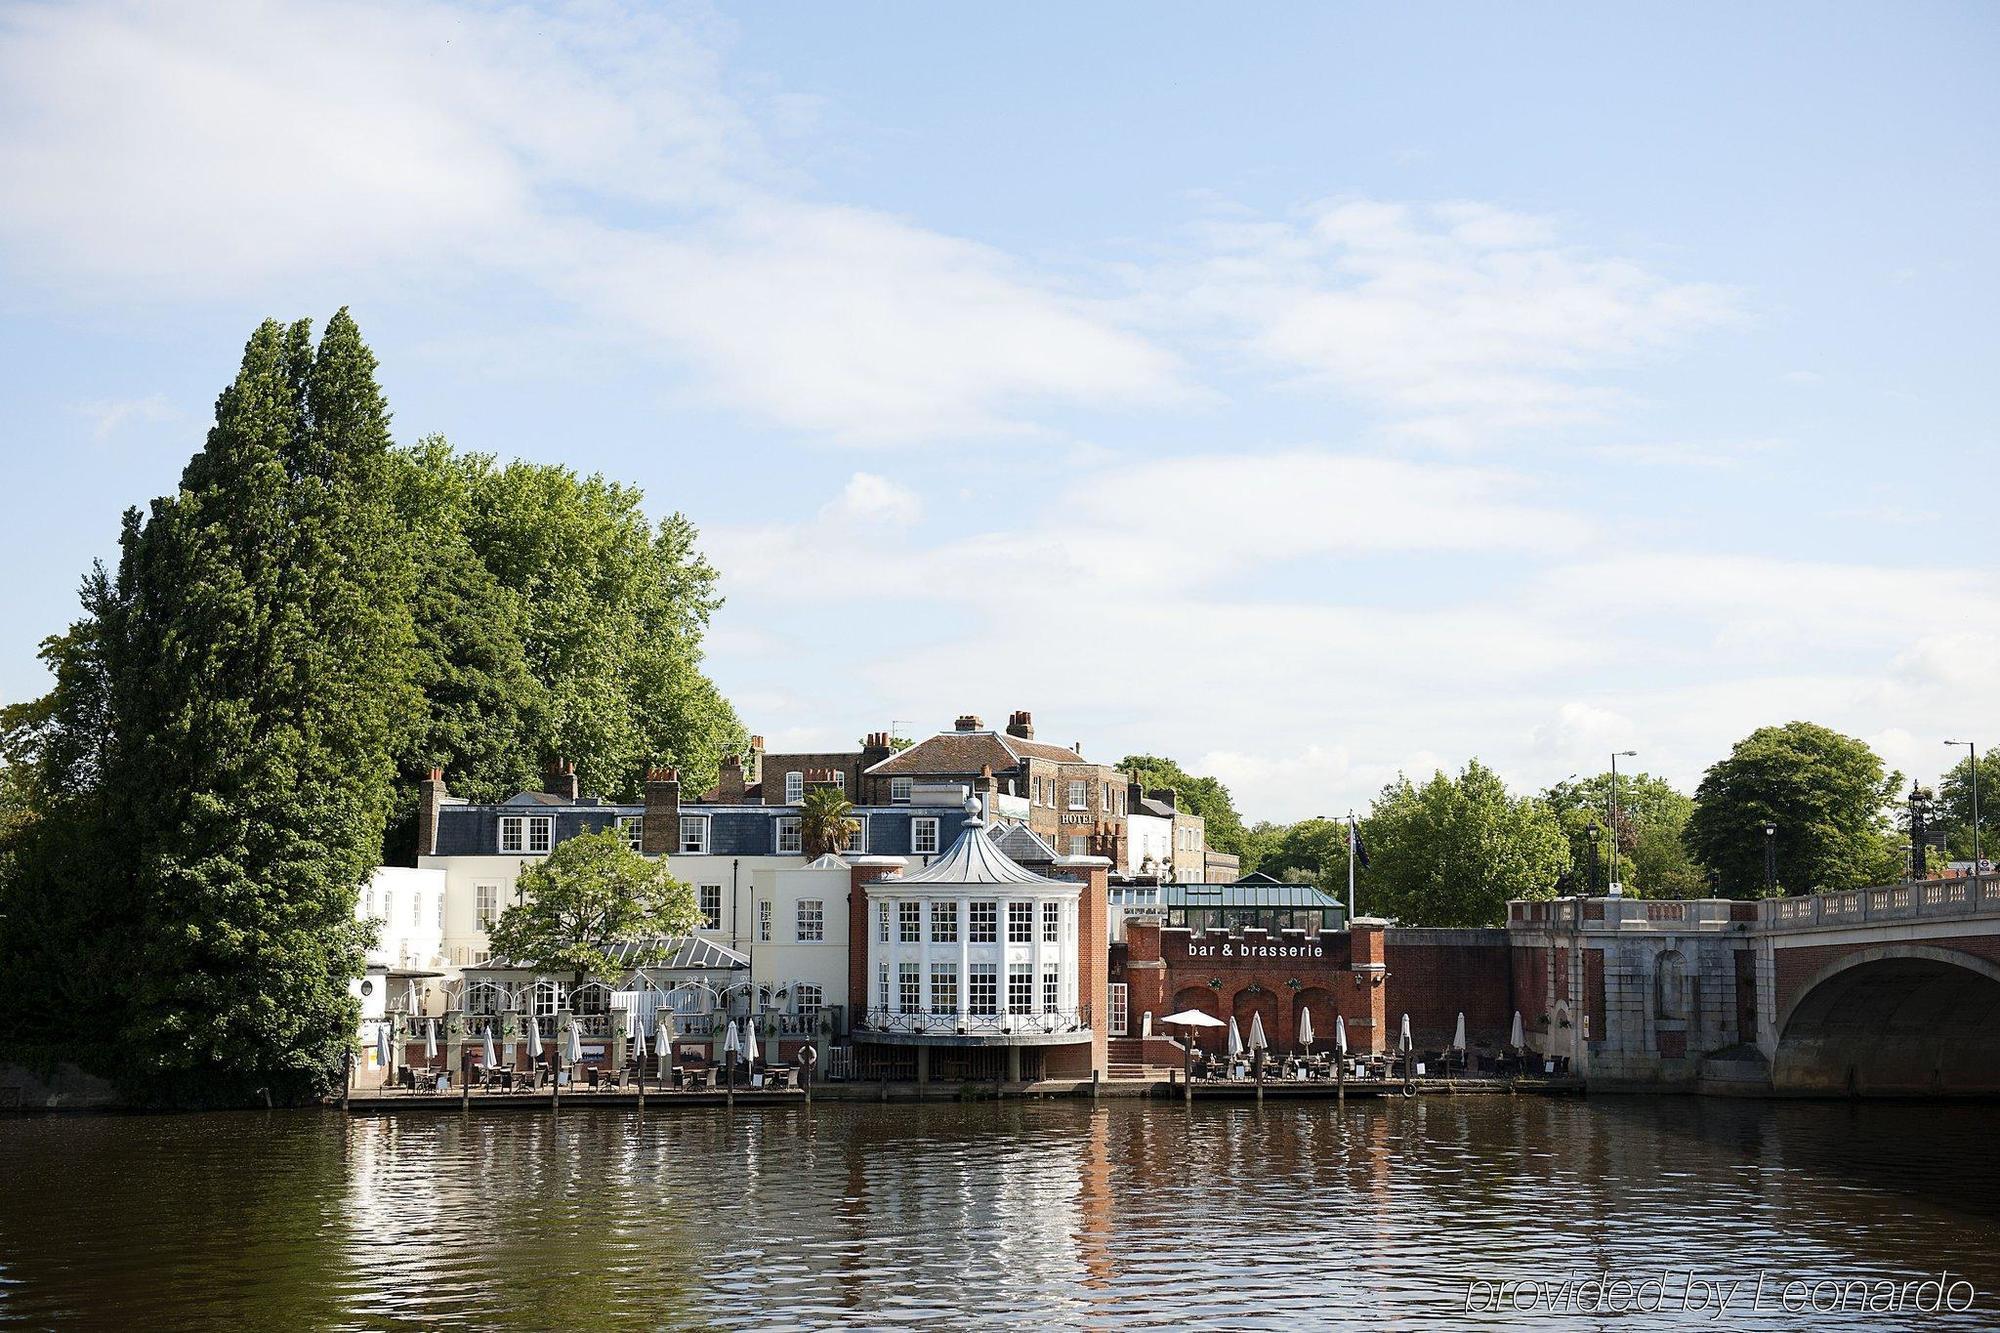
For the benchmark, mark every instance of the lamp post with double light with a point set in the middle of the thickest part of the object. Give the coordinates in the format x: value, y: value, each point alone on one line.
x: 1972, y: 764
x: 1616, y: 889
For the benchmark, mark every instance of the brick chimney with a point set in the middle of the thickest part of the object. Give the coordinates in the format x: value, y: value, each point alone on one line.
x: 753, y: 767
x: 1021, y: 724
x: 874, y: 749
x: 729, y: 782
x: 430, y: 798
x: 661, y: 833
x: 560, y: 780
x: 969, y: 722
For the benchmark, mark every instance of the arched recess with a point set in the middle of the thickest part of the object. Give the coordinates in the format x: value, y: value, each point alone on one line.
x: 1893, y: 1020
x: 1204, y: 999
x: 1261, y: 1001
x: 1319, y: 1002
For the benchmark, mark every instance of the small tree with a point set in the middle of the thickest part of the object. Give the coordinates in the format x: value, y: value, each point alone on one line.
x: 826, y: 821
x: 591, y: 893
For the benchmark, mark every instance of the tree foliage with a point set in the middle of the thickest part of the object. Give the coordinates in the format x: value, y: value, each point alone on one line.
x: 1454, y: 851
x: 1653, y: 862
x: 1953, y: 811
x: 1204, y: 796
x: 560, y: 621
x: 187, y: 816
x: 826, y: 821
x: 593, y: 892
x: 1828, y: 798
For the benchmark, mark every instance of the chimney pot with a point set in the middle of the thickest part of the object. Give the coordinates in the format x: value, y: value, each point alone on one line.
x: 969, y: 722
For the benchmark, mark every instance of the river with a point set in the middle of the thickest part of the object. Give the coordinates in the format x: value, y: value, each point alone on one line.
x: 1398, y: 1214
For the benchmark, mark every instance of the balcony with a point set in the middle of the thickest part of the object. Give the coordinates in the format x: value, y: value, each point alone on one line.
x: 1040, y: 1027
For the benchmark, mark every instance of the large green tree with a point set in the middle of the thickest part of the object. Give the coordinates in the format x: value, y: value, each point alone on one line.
x: 1205, y: 796
x: 1826, y: 795
x: 565, y: 623
x: 1455, y: 850
x: 258, y: 650
x: 584, y: 900
x: 1653, y: 861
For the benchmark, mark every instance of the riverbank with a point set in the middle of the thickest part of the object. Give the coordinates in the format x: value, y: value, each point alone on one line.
x: 397, y: 1101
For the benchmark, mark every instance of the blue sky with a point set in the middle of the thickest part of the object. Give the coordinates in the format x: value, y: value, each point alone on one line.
x: 1311, y: 398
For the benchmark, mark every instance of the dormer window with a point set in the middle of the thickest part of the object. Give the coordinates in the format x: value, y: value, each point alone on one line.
x: 694, y: 833
x: 527, y: 833
x: 899, y: 790
x: 795, y: 788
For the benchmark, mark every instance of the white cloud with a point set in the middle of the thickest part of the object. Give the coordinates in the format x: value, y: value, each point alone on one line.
x: 1457, y: 321
x: 106, y: 416
x: 590, y: 153
x: 868, y: 498
x: 1713, y: 456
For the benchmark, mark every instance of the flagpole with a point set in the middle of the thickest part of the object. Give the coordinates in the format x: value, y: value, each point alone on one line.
x: 1350, y: 868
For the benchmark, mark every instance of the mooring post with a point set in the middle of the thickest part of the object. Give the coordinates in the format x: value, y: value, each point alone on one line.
x: 346, y: 1076
x: 465, y: 1078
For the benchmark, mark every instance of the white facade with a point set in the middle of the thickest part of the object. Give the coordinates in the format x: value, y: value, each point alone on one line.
x: 409, y: 909
x: 972, y: 945
x: 1149, y: 844
x: 798, y: 951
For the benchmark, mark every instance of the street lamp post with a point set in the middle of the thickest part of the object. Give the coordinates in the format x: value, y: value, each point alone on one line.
x: 1972, y: 753
x: 1616, y: 890
x: 1770, y: 859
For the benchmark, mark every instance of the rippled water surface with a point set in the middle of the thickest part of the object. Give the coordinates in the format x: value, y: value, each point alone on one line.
x: 1017, y: 1214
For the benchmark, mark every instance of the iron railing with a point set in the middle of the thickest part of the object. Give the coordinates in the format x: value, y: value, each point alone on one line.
x: 1033, y: 1022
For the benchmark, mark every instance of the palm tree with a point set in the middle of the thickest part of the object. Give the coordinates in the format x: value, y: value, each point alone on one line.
x: 826, y: 821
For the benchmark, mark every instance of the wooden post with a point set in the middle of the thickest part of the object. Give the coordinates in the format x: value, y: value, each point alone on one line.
x: 555, y: 1069
x: 1339, y: 1076
x: 729, y: 1081
x: 464, y: 1077
x: 1257, y: 1066
x: 346, y: 1076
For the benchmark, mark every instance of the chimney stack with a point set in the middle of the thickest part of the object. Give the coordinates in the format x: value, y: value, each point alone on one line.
x: 430, y: 797
x: 729, y: 786
x: 753, y: 767
x: 969, y: 722
x: 1021, y: 724
x: 560, y: 780
x: 660, y: 834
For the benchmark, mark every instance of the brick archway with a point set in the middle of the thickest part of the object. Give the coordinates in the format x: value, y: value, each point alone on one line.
x: 1320, y: 1002
x: 1261, y: 1001
x: 1204, y: 999
x: 1893, y: 1019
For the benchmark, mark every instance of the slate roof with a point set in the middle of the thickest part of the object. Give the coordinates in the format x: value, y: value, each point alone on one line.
x: 1018, y: 842
x: 973, y: 859
x: 684, y: 953
x: 966, y: 752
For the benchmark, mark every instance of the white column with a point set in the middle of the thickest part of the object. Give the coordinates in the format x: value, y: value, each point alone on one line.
x: 924, y: 997
x: 964, y: 954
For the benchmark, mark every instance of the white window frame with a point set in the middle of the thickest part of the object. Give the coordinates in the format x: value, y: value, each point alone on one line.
x: 1079, y: 795
x: 710, y: 920
x: 857, y: 841
x: 1079, y: 844
x: 764, y: 916
x: 944, y: 921
x: 795, y: 787
x: 910, y: 923
x: 633, y: 827
x: 485, y: 905
x: 808, y: 998
x: 986, y: 931
x: 924, y: 831
x: 789, y: 829
x: 1051, y: 923
x: 944, y: 998
x: 901, y: 790
x: 701, y: 841
x: 811, y: 921
x: 1020, y: 923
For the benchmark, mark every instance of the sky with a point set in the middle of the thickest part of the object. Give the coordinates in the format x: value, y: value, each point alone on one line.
x: 1312, y: 397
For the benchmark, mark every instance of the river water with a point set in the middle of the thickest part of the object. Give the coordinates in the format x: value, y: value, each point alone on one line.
x: 1019, y: 1214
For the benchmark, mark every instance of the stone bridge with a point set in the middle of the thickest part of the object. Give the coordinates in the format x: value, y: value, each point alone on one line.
x: 1890, y: 991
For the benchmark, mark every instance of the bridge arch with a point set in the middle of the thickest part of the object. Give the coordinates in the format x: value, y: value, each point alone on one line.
x: 1893, y: 1020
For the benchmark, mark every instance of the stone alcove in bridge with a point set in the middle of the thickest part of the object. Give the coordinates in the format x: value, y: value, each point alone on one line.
x: 1896, y: 1019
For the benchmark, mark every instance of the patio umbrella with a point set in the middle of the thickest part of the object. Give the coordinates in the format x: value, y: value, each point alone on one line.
x: 1515, y: 1038
x: 1235, y: 1039
x: 1257, y: 1042
x: 382, y: 1044
x: 1193, y: 1018
x: 1458, y: 1033
x: 1403, y: 1042
x: 1340, y: 1035
x: 663, y: 1042
x: 492, y: 1057
x: 639, y: 1043
x: 731, y: 1043
x: 430, y: 1041
x: 575, y: 1052
x: 534, y: 1038
x: 749, y: 1044
x: 1305, y: 1028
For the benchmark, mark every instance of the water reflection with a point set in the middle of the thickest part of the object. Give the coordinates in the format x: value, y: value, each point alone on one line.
x: 1014, y: 1214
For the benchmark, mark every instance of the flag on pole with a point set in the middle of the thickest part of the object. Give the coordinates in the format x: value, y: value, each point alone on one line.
x: 1355, y: 846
